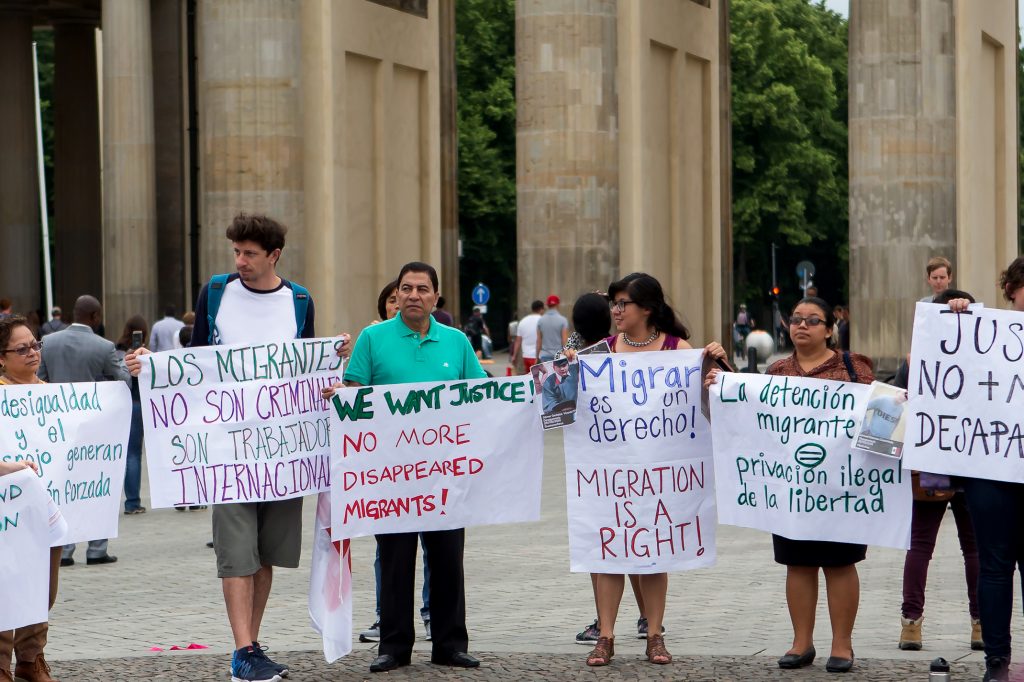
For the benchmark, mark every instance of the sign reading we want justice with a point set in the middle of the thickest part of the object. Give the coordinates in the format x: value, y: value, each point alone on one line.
x: 242, y: 423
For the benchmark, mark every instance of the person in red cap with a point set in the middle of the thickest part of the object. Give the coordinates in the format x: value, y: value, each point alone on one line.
x: 552, y: 331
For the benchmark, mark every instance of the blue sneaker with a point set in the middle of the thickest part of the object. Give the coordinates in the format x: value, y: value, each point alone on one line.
x: 261, y: 652
x: 246, y: 666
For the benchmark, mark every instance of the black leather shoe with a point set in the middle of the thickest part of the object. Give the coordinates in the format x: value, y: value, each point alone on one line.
x: 386, y: 662
x: 997, y: 669
x: 65, y: 562
x: 834, y: 664
x: 460, y: 659
x: 793, y: 661
x: 105, y: 559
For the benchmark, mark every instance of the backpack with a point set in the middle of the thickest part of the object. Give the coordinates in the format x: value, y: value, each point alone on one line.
x: 215, y: 292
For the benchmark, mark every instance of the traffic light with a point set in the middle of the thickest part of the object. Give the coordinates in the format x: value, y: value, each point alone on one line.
x: 774, y: 292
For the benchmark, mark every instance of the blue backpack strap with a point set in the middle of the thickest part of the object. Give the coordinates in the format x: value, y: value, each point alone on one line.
x: 214, y: 292
x: 849, y: 366
x: 300, y: 297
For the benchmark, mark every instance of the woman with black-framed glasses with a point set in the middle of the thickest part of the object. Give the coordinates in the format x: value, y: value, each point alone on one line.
x: 19, y: 361
x: 810, y: 328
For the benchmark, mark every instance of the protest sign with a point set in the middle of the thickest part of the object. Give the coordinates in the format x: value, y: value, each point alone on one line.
x: 77, y: 435
x: 638, y: 469
x: 882, y: 429
x: 967, y: 393
x: 24, y: 551
x: 435, y: 456
x: 784, y: 462
x: 241, y: 423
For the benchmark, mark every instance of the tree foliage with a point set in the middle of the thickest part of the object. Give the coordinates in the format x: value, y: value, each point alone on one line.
x: 789, y: 112
x: 485, y: 62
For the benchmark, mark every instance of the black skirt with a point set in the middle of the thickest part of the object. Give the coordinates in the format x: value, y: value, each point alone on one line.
x: 816, y: 552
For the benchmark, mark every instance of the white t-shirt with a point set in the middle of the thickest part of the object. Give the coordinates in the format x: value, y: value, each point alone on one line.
x: 249, y: 316
x: 527, y: 331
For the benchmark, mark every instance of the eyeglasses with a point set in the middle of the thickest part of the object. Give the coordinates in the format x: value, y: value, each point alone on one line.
x: 796, y: 321
x: 619, y: 305
x: 23, y: 350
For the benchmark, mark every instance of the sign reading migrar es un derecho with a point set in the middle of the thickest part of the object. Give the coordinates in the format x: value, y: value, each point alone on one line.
x: 241, y: 423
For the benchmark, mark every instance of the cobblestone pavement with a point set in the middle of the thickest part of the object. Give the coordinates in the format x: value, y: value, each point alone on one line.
x: 523, y: 604
x: 309, y: 665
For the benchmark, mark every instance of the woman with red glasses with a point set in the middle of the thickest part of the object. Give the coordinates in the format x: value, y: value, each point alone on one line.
x: 810, y: 328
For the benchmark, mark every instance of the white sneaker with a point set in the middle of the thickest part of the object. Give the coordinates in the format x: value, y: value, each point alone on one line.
x: 371, y: 634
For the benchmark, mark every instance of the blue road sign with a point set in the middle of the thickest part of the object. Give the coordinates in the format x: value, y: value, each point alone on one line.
x: 481, y: 294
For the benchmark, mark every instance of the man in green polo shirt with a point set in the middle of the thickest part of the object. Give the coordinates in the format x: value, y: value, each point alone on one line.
x: 409, y: 348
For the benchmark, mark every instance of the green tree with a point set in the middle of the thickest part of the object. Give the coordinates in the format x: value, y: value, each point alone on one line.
x: 789, y: 112
x: 485, y: 63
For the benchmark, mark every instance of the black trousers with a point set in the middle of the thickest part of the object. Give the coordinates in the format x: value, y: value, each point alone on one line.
x: 447, y: 593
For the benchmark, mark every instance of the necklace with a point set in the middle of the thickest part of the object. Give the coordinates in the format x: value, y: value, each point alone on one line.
x: 640, y: 344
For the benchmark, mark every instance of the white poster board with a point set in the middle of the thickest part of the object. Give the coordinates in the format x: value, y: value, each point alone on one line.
x: 638, y: 468
x: 240, y: 423
x: 435, y: 456
x: 967, y: 393
x: 77, y: 434
x: 24, y: 551
x: 784, y: 462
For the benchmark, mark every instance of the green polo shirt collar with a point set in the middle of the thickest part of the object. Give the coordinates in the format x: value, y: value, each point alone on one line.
x: 431, y: 334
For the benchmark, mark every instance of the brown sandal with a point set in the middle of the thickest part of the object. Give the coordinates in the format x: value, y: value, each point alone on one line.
x: 656, y: 651
x: 602, y: 652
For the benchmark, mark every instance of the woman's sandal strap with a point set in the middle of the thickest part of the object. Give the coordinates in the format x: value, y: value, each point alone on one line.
x: 656, y: 650
x: 602, y: 652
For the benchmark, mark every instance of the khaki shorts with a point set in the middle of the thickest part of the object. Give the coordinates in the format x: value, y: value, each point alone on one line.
x: 249, y: 535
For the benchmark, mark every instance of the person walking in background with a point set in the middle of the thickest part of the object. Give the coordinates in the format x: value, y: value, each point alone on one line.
x: 165, y: 331
x: 54, y: 324
x: 475, y: 329
x: 525, y: 345
x: 78, y: 353
x: 442, y: 315
x: 132, y: 338
x: 552, y: 331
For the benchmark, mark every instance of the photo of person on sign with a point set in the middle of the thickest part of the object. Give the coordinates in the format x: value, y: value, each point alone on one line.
x: 560, y: 387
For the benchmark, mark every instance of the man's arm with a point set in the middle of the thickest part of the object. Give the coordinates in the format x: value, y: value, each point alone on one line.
x: 115, y: 368
x: 515, y: 349
x: 201, y: 327
x: 565, y: 335
x: 540, y: 340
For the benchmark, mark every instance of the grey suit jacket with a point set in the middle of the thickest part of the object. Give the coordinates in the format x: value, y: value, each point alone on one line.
x: 77, y: 354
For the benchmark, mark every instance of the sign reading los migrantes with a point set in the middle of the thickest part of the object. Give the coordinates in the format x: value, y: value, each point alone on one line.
x: 785, y: 463
x: 966, y: 409
x: 639, y: 475
x: 242, y: 423
x: 435, y: 456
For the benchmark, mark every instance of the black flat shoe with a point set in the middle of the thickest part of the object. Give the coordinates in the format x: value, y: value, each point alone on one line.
x: 386, y: 662
x: 65, y: 562
x: 834, y: 664
x: 100, y: 560
x: 460, y: 659
x: 793, y: 661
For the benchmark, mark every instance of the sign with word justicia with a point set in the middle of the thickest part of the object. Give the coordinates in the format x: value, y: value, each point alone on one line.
x: 966, y: 408
x: 77, y: 435
x: 785, y: 463
x: 241, y: 423
x: 435, y: 456
x: 639, y: 476
x: 24, y: 550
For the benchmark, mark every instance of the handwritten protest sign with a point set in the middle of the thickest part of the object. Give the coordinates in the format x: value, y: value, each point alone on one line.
x: 24, y: 551
x: 435, y: 456
x: 784, y: 462
x: 967, y: 393
x: 638, y: 469
x: 76, y: 434
x: 242, y: 423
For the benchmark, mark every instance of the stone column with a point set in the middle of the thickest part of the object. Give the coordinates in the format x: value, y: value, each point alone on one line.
x: 449, y: 159
x: 19, y: 189
x: 902, y: 165
x: 250, y: 123
x: 78, y: 209
x: 567, y: 160
x: 129, y: 181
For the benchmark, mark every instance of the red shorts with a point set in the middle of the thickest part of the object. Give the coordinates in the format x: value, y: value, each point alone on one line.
x: 528, y: 363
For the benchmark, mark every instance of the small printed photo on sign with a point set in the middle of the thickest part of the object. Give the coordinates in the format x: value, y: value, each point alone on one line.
x: 881, y: 431
x: 599, y: 347
x: 557, y: 383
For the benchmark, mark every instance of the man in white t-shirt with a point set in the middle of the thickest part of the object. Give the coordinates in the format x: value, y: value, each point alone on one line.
x: 165, y: 331
x: 526, y: 338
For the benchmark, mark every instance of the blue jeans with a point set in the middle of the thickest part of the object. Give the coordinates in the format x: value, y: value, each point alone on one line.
x: 133, y: 463
x: 425, y: 610
x: 997, y: 510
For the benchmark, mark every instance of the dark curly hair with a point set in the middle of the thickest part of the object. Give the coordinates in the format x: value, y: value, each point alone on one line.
x: 1012, y: 278
x: 256, y: 227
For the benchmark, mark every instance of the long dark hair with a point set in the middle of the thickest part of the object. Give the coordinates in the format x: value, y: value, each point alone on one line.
x: 135, y: 323
x: 591, y: 317
x: 382, y: 300
x: 646, y: 292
